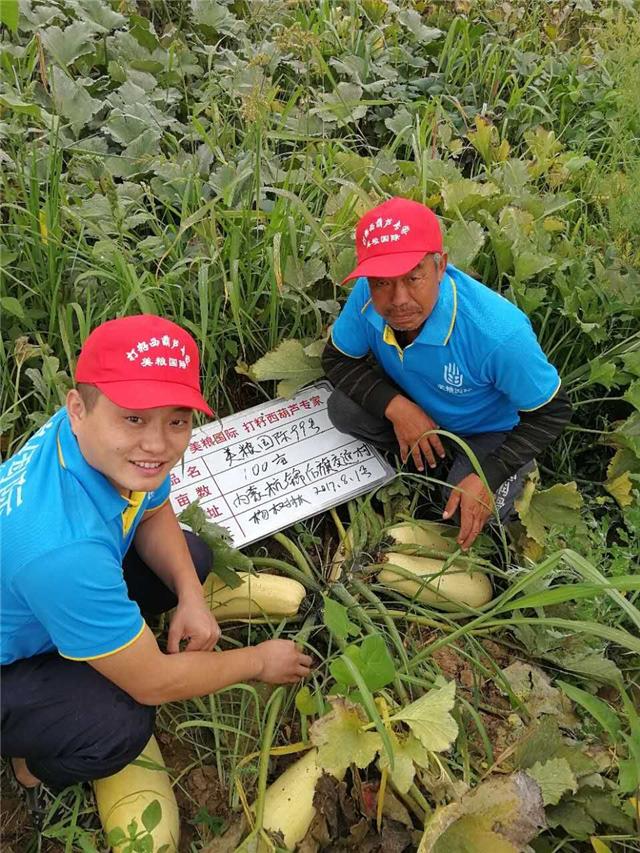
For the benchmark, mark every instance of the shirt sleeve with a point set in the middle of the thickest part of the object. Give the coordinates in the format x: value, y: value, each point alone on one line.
x: 160, y: 495
x: 349, y: 331
x: 519, y: 368
x: 79, y: 595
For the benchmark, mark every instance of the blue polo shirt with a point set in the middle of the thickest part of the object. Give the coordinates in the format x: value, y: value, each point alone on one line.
x: 474, y: 365
x: 65, y: 530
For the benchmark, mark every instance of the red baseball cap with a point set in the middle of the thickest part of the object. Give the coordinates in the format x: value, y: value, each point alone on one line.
x: 394, y: 237
x: 143, y: 362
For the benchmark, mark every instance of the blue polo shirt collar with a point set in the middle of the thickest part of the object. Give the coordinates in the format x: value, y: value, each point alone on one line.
x: 439, y: 324
x: 108, y: 500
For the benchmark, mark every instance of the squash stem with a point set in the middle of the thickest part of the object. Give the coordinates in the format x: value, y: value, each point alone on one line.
x: 296, y: 554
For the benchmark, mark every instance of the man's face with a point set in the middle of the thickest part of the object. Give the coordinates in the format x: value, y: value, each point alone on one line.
x: 406, y: 301
x: 134, y: 448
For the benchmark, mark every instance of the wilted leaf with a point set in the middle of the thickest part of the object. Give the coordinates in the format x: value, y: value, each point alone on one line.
x: 463, y: 242
x: 342, y: 104
x: 541, y: 742
x: 603, y: 807
x: 501, y: 815
x: 407, y: 752
x: 481, y: 138
x: 65, y: 46
x: 340, y: 739
x: 558, y: 506
x: 429, y: 718
x: 288, y: 362
x: 620, y: 489
x: 554, y: 778
x: 72, y: 100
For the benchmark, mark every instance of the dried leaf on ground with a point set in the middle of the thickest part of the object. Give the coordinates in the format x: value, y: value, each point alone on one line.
x: 533, y: 687
x: 340, y: 739
x: 430, y: 720
x: 501, y: 815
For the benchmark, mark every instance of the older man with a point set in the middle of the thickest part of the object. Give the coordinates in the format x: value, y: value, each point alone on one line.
x: 446, y: 353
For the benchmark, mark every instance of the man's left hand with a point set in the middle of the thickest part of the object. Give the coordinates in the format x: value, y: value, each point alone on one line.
x: 476, y: 506
x: 194, y: 621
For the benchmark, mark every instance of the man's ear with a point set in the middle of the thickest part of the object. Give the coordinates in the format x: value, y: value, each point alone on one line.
x: 76, y: 409
x: 442, y: 266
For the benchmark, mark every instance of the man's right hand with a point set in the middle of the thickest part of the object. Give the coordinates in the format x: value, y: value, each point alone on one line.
x: 410, y: 424
x: 283, y: 663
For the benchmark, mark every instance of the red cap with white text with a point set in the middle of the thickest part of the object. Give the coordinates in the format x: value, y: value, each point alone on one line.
x: 394, y: 237
x: 143, y: 362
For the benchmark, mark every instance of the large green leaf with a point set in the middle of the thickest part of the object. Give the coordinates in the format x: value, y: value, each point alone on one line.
x: 287, y: 362
x: 72, y: 100
x: 465, y: 195
x: 67, y: 45
x: 9, y: 14
x: 530, y: 263
x: 99, y: 13
x: 463, y: 241
x: 372, y: 659
x: 555, y: 778
x: 343, y: 104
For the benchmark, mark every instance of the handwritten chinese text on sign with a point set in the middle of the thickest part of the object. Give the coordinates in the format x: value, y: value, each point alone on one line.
x: 266, y: 468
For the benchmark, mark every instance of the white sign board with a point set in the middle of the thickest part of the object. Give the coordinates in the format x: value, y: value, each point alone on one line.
x: 268, y: 467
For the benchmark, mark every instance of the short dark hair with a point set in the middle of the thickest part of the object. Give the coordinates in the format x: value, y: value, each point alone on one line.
x: 89, y: 394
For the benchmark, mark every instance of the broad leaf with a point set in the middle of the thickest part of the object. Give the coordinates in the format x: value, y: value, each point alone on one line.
x: 632, y: 394
x: 372, y: 659
x: 341, y: 740
x: 430, y: 720
x: 558, y: 506
x: 463, y: 242
x: 632, y: 362
x: 528, y: 263
x: 465, y: 195
x: 572, y: 817
x: 533, y: 687
x: 629, y: 433
x: 287, y: 362
x: 336, y: 618
x: 151, y: 816
x: 305, y: 703
x: 9, y: 14
x: 99, y: 13
x: 67, y: 45
x: 554, y: 777
x: 343, y: 104
x: 72, y: 100
x: 603, y: 373
x: 412, y: 20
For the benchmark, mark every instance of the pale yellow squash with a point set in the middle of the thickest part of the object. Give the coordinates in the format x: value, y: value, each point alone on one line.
x: 456, y: 583
x: 288, y: 804
x: 259, y: 596
x: 439, y: 537
x: 123, y: 797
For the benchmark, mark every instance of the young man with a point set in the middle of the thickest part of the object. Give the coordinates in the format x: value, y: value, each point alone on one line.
x: 449, y: 354
x: 90, y: 545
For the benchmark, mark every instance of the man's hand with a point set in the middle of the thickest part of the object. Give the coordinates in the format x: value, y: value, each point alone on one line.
x: 476, y: 506
x: 410, y: 424
x: 194, y: 621
x: 283, y: 663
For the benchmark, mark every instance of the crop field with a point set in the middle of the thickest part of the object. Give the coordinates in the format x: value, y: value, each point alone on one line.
x: 208, y: 161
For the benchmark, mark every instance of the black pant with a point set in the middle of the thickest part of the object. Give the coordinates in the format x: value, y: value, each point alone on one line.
x: 347, y: 416
x: 70, y: 723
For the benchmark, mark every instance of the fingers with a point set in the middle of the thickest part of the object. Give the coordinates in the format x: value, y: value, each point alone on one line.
x: 473, y: 533
x: 425, y: 446
x: 437, y: 445
x: 305, y: 660
x: 416, y: 455
x: 467, y: 519
x: 452, y: 504
x: 173, y: 640
x: 404, y: 449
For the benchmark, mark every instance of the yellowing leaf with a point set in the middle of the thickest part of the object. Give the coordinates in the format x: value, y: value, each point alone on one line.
x: 558, y: 506
x: 407, y: 752
x: 463, y: 242
x: 599, y: 846
x: 620, y: 489
x: 429, y: 718
x: 340, y: 739
x: 554, y: 778
x: 465, y: 195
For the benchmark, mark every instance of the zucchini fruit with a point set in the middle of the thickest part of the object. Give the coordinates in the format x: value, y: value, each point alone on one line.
x: 259, y: 596
x: 456, y: 582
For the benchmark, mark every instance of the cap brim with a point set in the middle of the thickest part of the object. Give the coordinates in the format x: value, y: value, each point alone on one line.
x: 152, y: 394
x: 398, y: 263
